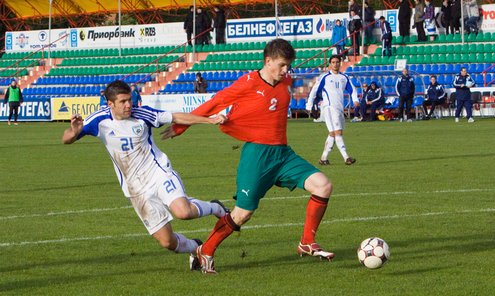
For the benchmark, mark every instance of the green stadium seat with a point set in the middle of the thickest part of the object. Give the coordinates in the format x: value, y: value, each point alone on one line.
x: 441, y: 38
x: 470, y: 37
x: 421, y: 50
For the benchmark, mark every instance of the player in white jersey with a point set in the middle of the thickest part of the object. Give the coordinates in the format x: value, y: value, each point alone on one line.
x: 330, y: 86
x: 145, y: 173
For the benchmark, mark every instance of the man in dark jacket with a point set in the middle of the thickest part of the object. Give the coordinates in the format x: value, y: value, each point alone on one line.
x: 374, y: 100
x: 447, y: 20
x: 386, y: 37
x: 369, y: 18
x: 463, y: 83
x: 13, y: 96
x: 435, y: 95
x: 188, y: 24
x: 355, y: 26
x: 455, y: 11
x: 200, y: 84
x: 404, y: 18
x: 203, y: 23
x: 219, y: 23
x: 405, y: 89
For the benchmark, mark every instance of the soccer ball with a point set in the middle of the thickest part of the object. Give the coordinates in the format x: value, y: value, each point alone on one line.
x: 373, y: 252
x: 469, y: 83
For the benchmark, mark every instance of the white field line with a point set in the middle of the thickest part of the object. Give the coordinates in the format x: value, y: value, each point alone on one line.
x: 248, y: 227
x: 265, y: 199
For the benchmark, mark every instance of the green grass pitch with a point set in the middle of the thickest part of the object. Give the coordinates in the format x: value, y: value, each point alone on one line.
x: 427, y: 188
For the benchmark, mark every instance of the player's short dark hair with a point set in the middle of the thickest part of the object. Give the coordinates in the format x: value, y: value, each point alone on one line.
x: 382, y: 18
x: 335, y: 56
x: 115, y: 88
x: 279, y: 48
x: 433, y: 76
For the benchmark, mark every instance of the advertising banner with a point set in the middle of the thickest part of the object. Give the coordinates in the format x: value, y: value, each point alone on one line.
x: 238, y: 30
x: 34, y: 40
x: 30, y: 110
x: 63, y: 108
x: 488, y: 17
x: 176, y: 103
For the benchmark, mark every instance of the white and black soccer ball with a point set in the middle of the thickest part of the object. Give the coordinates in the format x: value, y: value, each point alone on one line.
x: 373, y: 252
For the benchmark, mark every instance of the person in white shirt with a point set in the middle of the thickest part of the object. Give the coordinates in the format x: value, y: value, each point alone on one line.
x: 330, y: 86
x: 145, y: 173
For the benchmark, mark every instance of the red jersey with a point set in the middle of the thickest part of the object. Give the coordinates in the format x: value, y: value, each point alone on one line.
x: 258, y: 113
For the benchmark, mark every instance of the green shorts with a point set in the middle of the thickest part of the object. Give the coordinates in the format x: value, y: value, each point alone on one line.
x: 262, y: 166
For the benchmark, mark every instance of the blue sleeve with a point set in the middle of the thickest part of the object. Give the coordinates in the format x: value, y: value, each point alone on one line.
x: 90, y: 128
x: 151, y: 116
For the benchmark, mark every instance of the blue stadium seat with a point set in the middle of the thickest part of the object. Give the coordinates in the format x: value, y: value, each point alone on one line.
x: 216, y: 76
x: 293, y: 104
x: 301, y: 104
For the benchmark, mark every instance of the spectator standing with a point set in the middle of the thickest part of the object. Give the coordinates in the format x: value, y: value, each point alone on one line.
x: 219, y: 23
x: 447, y: 16
x: 404, y: 17
x: 353, y: 6
x: 473, y: 16
x: 13, y: 96
x: 386, y: 37
x: 136, y: 97
x: 456, y: 15
x: 188, y: 24
x: 338, y: 37
x: 369, y: 18
x: 463, y: 83
x: 405, y: 89
x: 103, y: 99
x: 435, y: 95
x: 201, y: 26
x: 430, y: 20
x: 200, y: 84
x: 419, y: 24
x: 355, y: 27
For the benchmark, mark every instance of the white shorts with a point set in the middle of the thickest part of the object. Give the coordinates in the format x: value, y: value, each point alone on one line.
x: 334, y: 119
x: 152, y: 206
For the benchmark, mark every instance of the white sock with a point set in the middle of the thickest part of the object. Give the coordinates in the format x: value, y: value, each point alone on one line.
x: 185, y: 245
x: 340, y: 144
x: 328, y: 147
x: 206, y: 208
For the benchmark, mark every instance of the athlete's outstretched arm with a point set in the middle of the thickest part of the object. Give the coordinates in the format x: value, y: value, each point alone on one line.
x: 76, y: 126
x: 190, y: 119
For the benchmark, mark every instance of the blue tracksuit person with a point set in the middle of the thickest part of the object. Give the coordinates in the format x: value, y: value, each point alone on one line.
x: 386, y: 37
x: 136, y: 97
x: 462, y: 83
x: 435, y: 95
x: 405, y: 89
x: 373, y: 98
x: 103, y: 99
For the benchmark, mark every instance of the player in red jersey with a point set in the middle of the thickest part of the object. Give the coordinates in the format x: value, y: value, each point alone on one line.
x: 259, y: 103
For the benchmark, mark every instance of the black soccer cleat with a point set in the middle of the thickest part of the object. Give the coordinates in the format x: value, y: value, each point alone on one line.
x: 194, y: 264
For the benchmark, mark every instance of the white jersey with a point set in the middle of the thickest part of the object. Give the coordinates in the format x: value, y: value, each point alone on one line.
x: 129, y: 142
x: 330, y: 87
